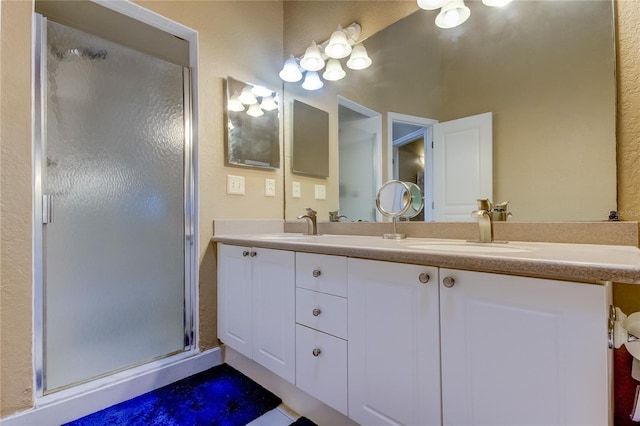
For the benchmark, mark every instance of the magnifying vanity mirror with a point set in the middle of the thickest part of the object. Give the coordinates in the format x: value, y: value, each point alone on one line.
x: 397, y: 199
x: 545, y: 70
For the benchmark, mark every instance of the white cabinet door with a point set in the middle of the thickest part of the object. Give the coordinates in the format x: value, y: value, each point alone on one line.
x: 274, y: 311
x: 256, y: 305
x: 393, y: 349
x: 235, y: 302
x: 523, y: 351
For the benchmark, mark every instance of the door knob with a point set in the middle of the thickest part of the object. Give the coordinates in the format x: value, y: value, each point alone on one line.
x: 424, y: 278
x: 316, y: 312
x: 316, y: 352
x: 316, y: 273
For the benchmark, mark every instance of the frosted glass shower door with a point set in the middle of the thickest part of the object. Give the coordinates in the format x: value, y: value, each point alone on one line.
x: 114, y: 253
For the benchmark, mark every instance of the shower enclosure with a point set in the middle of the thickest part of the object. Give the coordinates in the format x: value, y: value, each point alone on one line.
x: 114, y: 208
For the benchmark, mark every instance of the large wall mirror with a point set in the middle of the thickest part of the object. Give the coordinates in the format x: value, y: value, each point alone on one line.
x: 545, y: 70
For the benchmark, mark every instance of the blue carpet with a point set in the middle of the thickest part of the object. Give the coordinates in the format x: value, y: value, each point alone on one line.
x: 220, y: 396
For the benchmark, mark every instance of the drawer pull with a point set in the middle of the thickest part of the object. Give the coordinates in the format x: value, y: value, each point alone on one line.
x: 316, y: 312
x: 448, y: 282
x: 424, y: 278
x: 245, y: 253
x: 316, y: 352
x: 316, y: 273
x: 253, y: 253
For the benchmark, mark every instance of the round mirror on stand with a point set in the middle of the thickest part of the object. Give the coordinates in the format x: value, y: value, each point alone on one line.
x: 399, y: 199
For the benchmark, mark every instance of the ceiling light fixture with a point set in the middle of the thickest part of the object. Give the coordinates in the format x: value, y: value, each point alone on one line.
x: 454, y: 12
x: 341, y: 44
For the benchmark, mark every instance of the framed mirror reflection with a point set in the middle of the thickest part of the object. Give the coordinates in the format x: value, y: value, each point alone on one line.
x: 253, y: 125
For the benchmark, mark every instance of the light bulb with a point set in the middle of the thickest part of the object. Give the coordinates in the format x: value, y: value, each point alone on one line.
x: 452, y: 14
x: 359, y: 59
x: 496, y: 3
x: 255, y: 110
x: 312, y: 60
x: 261, y: 91
x: 290, y: 71
x: 338, y: 46
x: 431, y: 4
x: 334, y: 70
x: 247, y: 97
x: 233, y: 104
x: 268, y: 103
x: 312, y: 81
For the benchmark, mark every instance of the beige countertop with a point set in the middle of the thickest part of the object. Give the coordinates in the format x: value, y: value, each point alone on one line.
x: 576, y: 262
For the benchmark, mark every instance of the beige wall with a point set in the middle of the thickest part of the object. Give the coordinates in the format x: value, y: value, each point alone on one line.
x: 225, y: 43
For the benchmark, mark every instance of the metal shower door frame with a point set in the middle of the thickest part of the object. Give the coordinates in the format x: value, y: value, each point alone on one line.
x: 39, y: 125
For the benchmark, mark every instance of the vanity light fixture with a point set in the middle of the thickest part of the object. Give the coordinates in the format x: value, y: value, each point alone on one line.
x: 234, y: 103
x: 291, y: 71
x: 268, y: 103
x: 255, y: 110
x: 334, y: 70
x: 341, y: 44
x: 454, y: 12
x: 247, y: 97
x: 312, y: 81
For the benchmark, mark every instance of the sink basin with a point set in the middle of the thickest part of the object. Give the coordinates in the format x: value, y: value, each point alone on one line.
x: 469, y: 248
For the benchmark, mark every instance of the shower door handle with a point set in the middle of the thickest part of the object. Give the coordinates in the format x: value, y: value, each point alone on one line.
x: 47, y: 209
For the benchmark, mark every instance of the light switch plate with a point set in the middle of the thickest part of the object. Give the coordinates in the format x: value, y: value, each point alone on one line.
x: 235, y: 185
x: 295, y: 190
x: 321, y: 192
x: 269, y: 187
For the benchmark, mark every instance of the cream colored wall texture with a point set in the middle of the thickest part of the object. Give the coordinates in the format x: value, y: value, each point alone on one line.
x: 228, y: 46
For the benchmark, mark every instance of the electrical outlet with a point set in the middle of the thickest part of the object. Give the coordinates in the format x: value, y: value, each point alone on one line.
x: 295, y: 190
x: 269, y: 187
x: 321, y: 192
x: 235, y: 185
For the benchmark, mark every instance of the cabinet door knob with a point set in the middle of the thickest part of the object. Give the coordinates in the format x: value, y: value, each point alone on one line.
x: 424, y: 278
x: 316, y: 352
x: 448, y: 282
x: 245, y: 253
x: 316, y: 273
x: 253, y: 253
x: 316, y: 312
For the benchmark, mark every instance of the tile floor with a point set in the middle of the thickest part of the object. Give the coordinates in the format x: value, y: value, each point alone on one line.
x: 276, y: 417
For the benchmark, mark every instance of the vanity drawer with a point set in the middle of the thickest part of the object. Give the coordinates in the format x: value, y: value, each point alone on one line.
x: 321, y: 367
x: 324, y: 273
x: 321, y: 311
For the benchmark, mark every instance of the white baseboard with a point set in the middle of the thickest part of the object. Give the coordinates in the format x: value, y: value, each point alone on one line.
x: 63, y: 410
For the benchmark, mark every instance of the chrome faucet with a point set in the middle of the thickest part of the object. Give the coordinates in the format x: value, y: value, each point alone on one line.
x: 312, y: 221
x: 333, y: 216
x: 485, y: 222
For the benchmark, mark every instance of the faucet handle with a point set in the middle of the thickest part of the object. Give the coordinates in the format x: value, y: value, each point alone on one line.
x: 484, y: 204
x: 311, y: 212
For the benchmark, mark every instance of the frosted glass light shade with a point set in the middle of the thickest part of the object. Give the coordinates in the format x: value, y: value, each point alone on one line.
x: 312, y: 60
x: 261, y: 91
x: 290, y: 71
x: 359, y: 59
x: 312, y: 81
x: 255, y: 110
x: 431, y: 4
x: 233, y: 104
x: 338, y: 46
x: 453, y: 14
x: 247, y: 97
x: 268, y: 103
x: 496, y: 3
x: 334, y: 70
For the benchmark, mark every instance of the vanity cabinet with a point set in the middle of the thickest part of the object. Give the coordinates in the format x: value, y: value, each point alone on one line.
x: 394, y: 353
x: 523, y: 351
x: 321, y: 329
x: 256, y: 305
